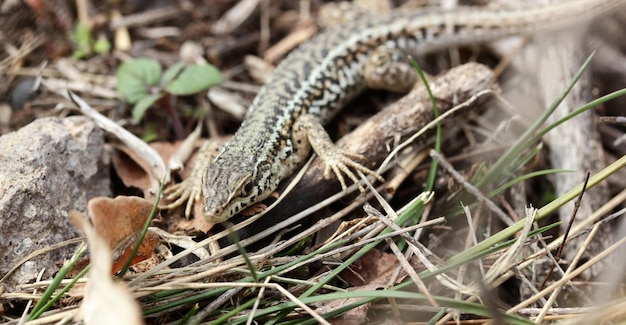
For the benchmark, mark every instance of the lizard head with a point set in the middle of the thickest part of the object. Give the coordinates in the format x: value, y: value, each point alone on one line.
x: 231, y: 184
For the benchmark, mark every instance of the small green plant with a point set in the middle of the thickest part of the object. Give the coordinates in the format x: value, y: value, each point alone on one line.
x: 142, y: 82
x: 85, y: 44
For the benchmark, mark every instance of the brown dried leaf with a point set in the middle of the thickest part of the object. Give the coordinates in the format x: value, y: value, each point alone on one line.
x: 136, y: 172
x: 179, y: 223
x: 353, y: 316
x: 130, y: 171
x: 119, y: 222
x: 106, y: 301
x: 374, y: 267
x: 370, y: 272
x: 199, y: 223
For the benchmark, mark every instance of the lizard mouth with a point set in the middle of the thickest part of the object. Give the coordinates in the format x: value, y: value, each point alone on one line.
x: 219, y: 214
x: 214, y: 215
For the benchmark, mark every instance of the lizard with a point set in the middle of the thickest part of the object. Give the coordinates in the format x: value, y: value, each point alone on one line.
x: 311, y: 84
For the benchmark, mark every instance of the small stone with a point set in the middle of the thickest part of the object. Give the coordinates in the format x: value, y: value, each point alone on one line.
x: 47, y: 169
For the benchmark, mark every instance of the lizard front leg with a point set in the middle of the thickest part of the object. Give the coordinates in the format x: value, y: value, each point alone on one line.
x: 386, y: 69
x: 190, y: 190
x: 309, y: 133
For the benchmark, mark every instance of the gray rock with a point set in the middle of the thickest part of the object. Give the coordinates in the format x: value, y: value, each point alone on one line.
x: 47, y: 169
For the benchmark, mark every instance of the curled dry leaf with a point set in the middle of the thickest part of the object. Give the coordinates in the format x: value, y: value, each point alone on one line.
x: 134, y: 171
x: 119, y: 222
x: 106, y: 301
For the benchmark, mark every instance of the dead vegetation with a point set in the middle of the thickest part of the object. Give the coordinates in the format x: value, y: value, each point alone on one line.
x: 456, y: 243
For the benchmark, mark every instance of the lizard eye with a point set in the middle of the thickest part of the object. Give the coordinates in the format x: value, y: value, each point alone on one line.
x: 247, y: 188
x: 244, y: 186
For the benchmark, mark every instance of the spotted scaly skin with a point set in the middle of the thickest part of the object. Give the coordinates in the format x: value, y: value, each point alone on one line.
x: 319, y: 77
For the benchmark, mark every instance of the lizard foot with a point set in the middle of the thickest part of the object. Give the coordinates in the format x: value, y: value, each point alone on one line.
x: 342, y: 162
x: 308, y: 132
x: 189, y: 190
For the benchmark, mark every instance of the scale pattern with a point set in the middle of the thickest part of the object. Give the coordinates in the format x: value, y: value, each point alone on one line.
x: 323, y: 74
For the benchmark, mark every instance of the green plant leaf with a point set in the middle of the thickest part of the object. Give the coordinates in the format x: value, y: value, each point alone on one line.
x: 101, y: 45
x: 193, y: 79
x: 81, y: 35
x: 173, y: 72
x: 142, y: 106
x: 136, y: 77
x: 150, y: 133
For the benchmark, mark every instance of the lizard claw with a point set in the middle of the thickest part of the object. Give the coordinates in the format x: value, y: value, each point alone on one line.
x: 341, y: 162
x: 338, y: 160
x: 189, y: 190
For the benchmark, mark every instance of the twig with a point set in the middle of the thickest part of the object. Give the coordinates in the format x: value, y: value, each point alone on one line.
x: 472, y: 189
x: 557, y: 256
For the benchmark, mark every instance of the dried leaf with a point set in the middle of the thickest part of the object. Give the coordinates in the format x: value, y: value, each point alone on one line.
x: 106, y: 301
x: 135, y: 171
x: 371, y: 272
x: 374, y: 267
x: 119, y: 222
x: 199, y: 223
x: 353, y: 316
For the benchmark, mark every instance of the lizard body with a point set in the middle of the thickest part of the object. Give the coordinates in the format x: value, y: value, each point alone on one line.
x: 316, y: 80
